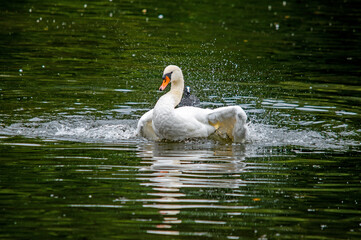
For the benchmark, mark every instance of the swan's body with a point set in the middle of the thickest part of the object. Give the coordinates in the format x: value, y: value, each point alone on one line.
x: 165, y: 121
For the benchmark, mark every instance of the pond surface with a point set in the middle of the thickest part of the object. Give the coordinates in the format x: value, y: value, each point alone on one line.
x: 76, y: 76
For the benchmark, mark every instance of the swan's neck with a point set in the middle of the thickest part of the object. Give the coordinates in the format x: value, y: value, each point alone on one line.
x: 163, y: 112
x: 176, y: 91
x: 172, y: 98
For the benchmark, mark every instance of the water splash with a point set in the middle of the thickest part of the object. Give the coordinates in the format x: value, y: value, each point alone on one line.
x: 84, y: 130
x: 262, y: 135
x: 273, y: 136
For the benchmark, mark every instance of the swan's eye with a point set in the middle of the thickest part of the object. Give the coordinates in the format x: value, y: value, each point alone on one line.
x: 167, y: 75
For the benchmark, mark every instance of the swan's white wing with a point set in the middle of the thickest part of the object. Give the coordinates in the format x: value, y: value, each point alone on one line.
x: 230, y: 122
x: 145, y: 128
x: 191, y: 122
x: 199, y: 114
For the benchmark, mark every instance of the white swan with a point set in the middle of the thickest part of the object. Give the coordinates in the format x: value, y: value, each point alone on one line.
x: 165, y: 121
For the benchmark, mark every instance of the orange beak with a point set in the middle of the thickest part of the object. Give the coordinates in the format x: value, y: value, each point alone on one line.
x: 165, y: 83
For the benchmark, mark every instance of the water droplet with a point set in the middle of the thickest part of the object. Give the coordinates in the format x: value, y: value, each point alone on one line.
x: 30, y: 10
x: 85, y: 5
x: 323, y: 226
x: 284, y: 3
x: 160, y: 16
x: 90, y: 196
x: 43, y: 66
x: 110, y: 14
x: 20, y: 70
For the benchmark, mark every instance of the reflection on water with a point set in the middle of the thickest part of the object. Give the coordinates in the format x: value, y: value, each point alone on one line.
x: 172, y: 167
x: 204, y: 189
x: 221, y: 187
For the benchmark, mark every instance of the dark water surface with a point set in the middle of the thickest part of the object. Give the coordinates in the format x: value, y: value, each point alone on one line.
x: 75, y: 76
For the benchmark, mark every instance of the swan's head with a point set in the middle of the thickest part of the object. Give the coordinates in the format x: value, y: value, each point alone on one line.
x: 171, y: 74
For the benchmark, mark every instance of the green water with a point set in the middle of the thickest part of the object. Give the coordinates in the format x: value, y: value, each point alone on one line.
x: 75, y: 76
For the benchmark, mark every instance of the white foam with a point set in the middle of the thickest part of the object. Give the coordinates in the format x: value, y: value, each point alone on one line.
x: 83, y: 130
x: 108, y: 132
x: 88, y: 130
x: 270, y: 135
